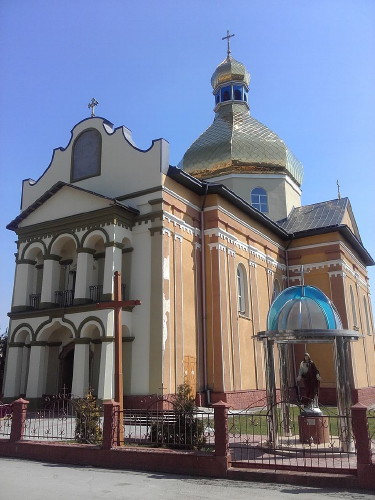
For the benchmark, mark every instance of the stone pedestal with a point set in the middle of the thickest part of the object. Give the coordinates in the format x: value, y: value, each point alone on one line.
x: 313, y: 429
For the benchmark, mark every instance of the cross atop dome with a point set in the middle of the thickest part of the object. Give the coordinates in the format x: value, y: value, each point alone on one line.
x: 228, y: 37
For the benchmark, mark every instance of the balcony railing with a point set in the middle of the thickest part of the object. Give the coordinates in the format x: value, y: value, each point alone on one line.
x: 64, y: 298
x: 34, y: 300
x: 96, y: 293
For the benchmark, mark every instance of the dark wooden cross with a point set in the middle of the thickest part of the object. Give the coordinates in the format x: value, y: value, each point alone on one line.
x: 228, y: 38
x: 92, y: 104
x: 117, y: 304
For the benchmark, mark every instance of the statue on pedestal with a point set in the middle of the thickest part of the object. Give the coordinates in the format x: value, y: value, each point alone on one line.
x: 309, y: 373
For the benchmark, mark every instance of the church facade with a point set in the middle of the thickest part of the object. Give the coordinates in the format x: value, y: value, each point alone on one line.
x: 205, y: 246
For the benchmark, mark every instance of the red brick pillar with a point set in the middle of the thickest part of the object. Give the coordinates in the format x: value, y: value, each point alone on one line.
x: 19, y: 409
x: 361, y: 435
x: 221, y: 429
x: 110, y: 424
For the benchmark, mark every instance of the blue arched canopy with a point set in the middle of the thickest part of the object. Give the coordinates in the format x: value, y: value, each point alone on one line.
x: 302, y: 308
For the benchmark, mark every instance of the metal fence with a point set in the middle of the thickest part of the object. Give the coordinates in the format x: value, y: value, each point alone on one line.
x: 5, y: 420
x: 283, y: 438
x: 169, y: 429
x: 67, y: 421
x: 371, y: 430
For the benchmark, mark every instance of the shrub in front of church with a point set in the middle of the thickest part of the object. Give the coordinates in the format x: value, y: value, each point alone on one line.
x: 179, y: 429
x: 88, y: 429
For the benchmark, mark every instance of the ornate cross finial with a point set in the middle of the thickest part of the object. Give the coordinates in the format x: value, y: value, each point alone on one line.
x: 338, y: 190
x: 92, y: 105
x: 227, y: 38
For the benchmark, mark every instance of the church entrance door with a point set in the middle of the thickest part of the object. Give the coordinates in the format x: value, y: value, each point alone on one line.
x: 66, y: 368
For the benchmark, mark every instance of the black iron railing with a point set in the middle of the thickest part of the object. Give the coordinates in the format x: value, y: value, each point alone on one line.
x: 34, y: 300
x: 96, y: 293
x: 64, y: 298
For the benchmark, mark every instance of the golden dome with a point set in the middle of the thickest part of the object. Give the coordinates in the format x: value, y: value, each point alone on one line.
x: 230, y: 70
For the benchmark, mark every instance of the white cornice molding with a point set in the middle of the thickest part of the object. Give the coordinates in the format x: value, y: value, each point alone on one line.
x: 184, y: 226
x: 180, y: 198
x: 341, y: 244
x: 345, y: 269
x: 243, y: 223
x: 253, y: 251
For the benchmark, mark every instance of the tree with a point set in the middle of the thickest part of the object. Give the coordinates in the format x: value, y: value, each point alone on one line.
x: 3, y: 352
x: 186, y: 431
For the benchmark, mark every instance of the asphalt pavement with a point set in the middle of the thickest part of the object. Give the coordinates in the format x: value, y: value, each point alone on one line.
x: 29, y: 480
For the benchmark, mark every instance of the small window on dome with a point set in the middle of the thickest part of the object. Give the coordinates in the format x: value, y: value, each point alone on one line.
x: 226, y: 94
x: 259, y: 199
x: 86, y: 156
x: 237, y: 93
x: 245, y: 95
x: 217, y: 98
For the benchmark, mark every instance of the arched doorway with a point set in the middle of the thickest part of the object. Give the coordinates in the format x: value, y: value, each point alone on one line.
x: 66, y: 368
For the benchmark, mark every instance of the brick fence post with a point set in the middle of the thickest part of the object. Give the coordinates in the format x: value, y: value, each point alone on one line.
x: 110, y: 424
x: 361, y: 435
x: 221, y: 429
x: 19, y: 408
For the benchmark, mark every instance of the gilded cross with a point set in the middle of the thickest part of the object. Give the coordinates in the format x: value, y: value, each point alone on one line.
x: 227, y: 39
x: 92, y: 104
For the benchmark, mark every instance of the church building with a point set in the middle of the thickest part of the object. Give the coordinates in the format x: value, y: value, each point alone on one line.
x: 205, y: 246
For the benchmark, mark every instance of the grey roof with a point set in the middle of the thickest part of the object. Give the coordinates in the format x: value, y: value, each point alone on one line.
x: 316, y: 216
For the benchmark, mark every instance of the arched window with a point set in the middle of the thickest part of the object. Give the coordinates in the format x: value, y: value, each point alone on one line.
x: 259, y: 199
x: 354, y: 313
x: 86, y: 156
x: 368, y: 326
x: 226, y: 93
x: 237, y: 93
x: 242, y: 289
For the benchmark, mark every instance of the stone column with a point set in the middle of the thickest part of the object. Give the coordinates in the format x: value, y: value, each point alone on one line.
x: 85, y: 262
x: 112, y: 263
x: 37, y: 370
x: 271, y: 390
x: 24, y: 368
x: 344, y: 398
x: 81, y: 368
x: 22, y: 284
x: 13, y: 370
x: 105, y: 389
x: 50, y: 283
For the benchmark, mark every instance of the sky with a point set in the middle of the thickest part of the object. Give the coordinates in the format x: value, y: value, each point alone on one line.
x: 149, y: 64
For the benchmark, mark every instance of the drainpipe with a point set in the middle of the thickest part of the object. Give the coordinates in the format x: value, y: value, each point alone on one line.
x: 203, y: 292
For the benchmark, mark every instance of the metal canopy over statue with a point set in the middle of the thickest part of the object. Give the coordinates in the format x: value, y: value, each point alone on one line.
x: 305, y: 315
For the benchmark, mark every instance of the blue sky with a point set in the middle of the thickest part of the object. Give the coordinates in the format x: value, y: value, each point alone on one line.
x: 149, y: 65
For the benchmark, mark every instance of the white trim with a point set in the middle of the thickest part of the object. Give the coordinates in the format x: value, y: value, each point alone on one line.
x: 240, y: 221
x: 303, y: 247
x: 176, y: 221
x: 224, y: 235
x: 180, y: 198
x: 329, y: 263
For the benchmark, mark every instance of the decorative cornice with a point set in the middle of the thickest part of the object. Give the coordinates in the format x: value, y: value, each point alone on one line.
x: 233, y: 240
x: 244, y: 224
x: 96, y: 219
x: 331, y: 263
x: 180, y: 223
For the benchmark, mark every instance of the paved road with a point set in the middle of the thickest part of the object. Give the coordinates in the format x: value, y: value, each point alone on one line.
x: 24, y: 479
